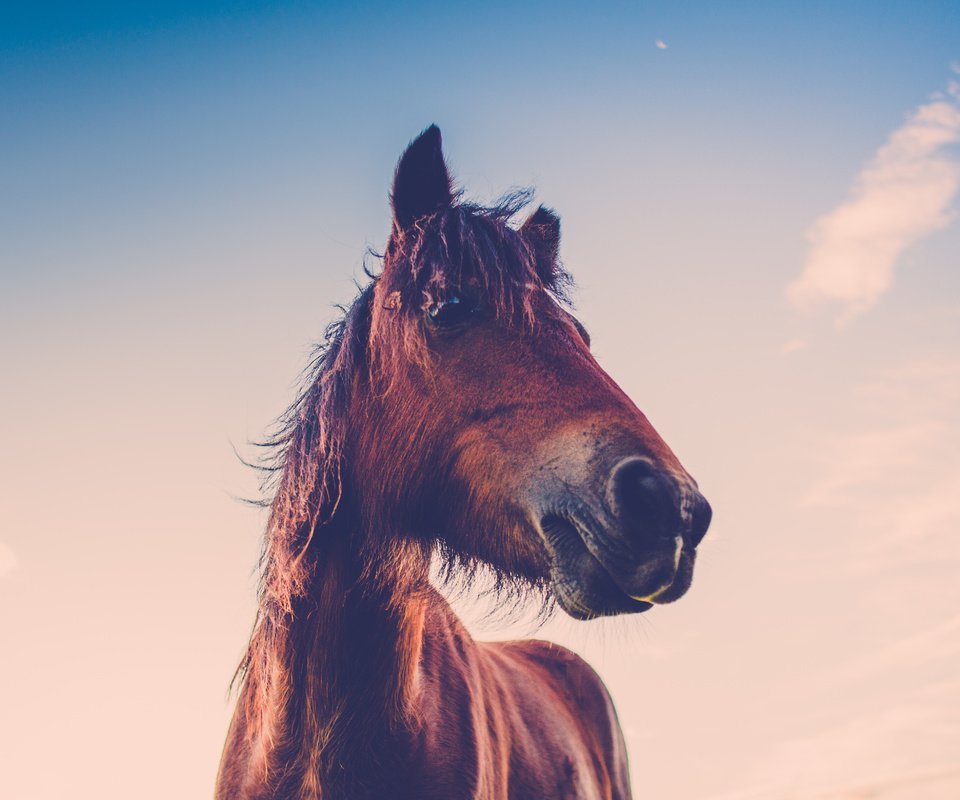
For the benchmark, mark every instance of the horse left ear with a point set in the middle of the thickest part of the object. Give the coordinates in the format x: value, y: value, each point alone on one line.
x: 421, y: 184
x: 542, y: 232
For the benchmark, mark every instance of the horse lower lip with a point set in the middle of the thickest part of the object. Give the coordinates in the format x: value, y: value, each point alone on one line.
x: 563, y: 533
x: 651, y: 598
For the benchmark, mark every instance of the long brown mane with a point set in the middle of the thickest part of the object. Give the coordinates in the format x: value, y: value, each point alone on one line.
x: 303, y: 459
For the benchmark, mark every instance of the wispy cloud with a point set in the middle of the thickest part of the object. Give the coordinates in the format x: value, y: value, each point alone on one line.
x: 661, y: 45
x: 902, y: 195
x: 794, y: 345
x: 931, y: 785
x: 817, y: 766
x: 8, y: 561
x: 879, y: 718
x: 899, y: 658
x: 897, y: 474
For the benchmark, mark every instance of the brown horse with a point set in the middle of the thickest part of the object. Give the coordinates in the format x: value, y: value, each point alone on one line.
x: 457, y: 411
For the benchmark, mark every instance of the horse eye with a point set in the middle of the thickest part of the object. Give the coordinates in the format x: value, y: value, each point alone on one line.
x: 451, y: 312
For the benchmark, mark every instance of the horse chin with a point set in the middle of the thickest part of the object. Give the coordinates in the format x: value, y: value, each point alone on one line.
x: 584, y: 605
x: 586, y: 589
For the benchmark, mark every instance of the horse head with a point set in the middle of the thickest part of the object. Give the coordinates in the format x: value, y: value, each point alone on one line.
x: 487, y: 424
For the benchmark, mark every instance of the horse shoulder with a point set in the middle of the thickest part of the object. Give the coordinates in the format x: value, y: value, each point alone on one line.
x: 567, y: 700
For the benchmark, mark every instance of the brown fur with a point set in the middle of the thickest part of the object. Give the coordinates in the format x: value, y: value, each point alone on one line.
x: 359, y: 681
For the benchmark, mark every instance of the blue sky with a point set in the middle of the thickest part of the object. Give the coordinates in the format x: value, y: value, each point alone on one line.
x: 132, y: 113
x: 187, y: 189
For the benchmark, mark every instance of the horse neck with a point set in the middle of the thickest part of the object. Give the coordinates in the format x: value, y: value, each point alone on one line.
x: 366, y: 624
x: 345, y: 681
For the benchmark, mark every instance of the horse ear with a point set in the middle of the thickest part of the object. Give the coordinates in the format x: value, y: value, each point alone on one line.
x: 421, y: 184
x: 542, y: 232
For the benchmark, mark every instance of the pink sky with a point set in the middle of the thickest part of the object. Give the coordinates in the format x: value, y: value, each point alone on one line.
x: 182, y: 222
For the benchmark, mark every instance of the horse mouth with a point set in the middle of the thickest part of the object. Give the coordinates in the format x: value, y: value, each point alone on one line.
x: 587, y: 584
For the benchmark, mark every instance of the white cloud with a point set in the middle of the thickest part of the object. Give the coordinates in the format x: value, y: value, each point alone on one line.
x: 661, y: 45
x: 818, y: 766
x: 896, y: 475
x: 871, y: 461
x: 8, y: 561
x: 899, y: 658
x: 793, y: 346
x: 903, y: 195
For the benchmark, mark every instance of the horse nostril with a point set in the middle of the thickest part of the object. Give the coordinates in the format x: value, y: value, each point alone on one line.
x: 700, y: 519
x: 647, y: 500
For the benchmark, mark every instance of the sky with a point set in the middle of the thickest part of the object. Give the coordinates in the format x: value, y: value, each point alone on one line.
x: 759, y: 206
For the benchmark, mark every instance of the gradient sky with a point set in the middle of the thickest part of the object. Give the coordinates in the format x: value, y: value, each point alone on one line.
x: 760, y: 219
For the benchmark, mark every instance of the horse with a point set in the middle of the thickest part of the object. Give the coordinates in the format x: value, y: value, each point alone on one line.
x: 454, y: 413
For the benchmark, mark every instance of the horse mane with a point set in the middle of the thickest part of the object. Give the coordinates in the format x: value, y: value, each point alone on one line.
x: 302, y: 459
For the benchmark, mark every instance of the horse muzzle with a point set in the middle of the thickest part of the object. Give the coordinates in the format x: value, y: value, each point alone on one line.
x: 622, y: 543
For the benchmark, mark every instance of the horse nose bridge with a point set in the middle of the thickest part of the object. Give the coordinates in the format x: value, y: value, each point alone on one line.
x: 652, y: 503
x: 591, y: 397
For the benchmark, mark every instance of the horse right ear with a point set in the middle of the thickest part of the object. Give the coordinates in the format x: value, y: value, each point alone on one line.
x: 542, y: 232
x: 421, y: 184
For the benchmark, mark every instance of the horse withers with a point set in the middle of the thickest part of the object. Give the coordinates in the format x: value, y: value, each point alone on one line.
x: 455, y: 411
